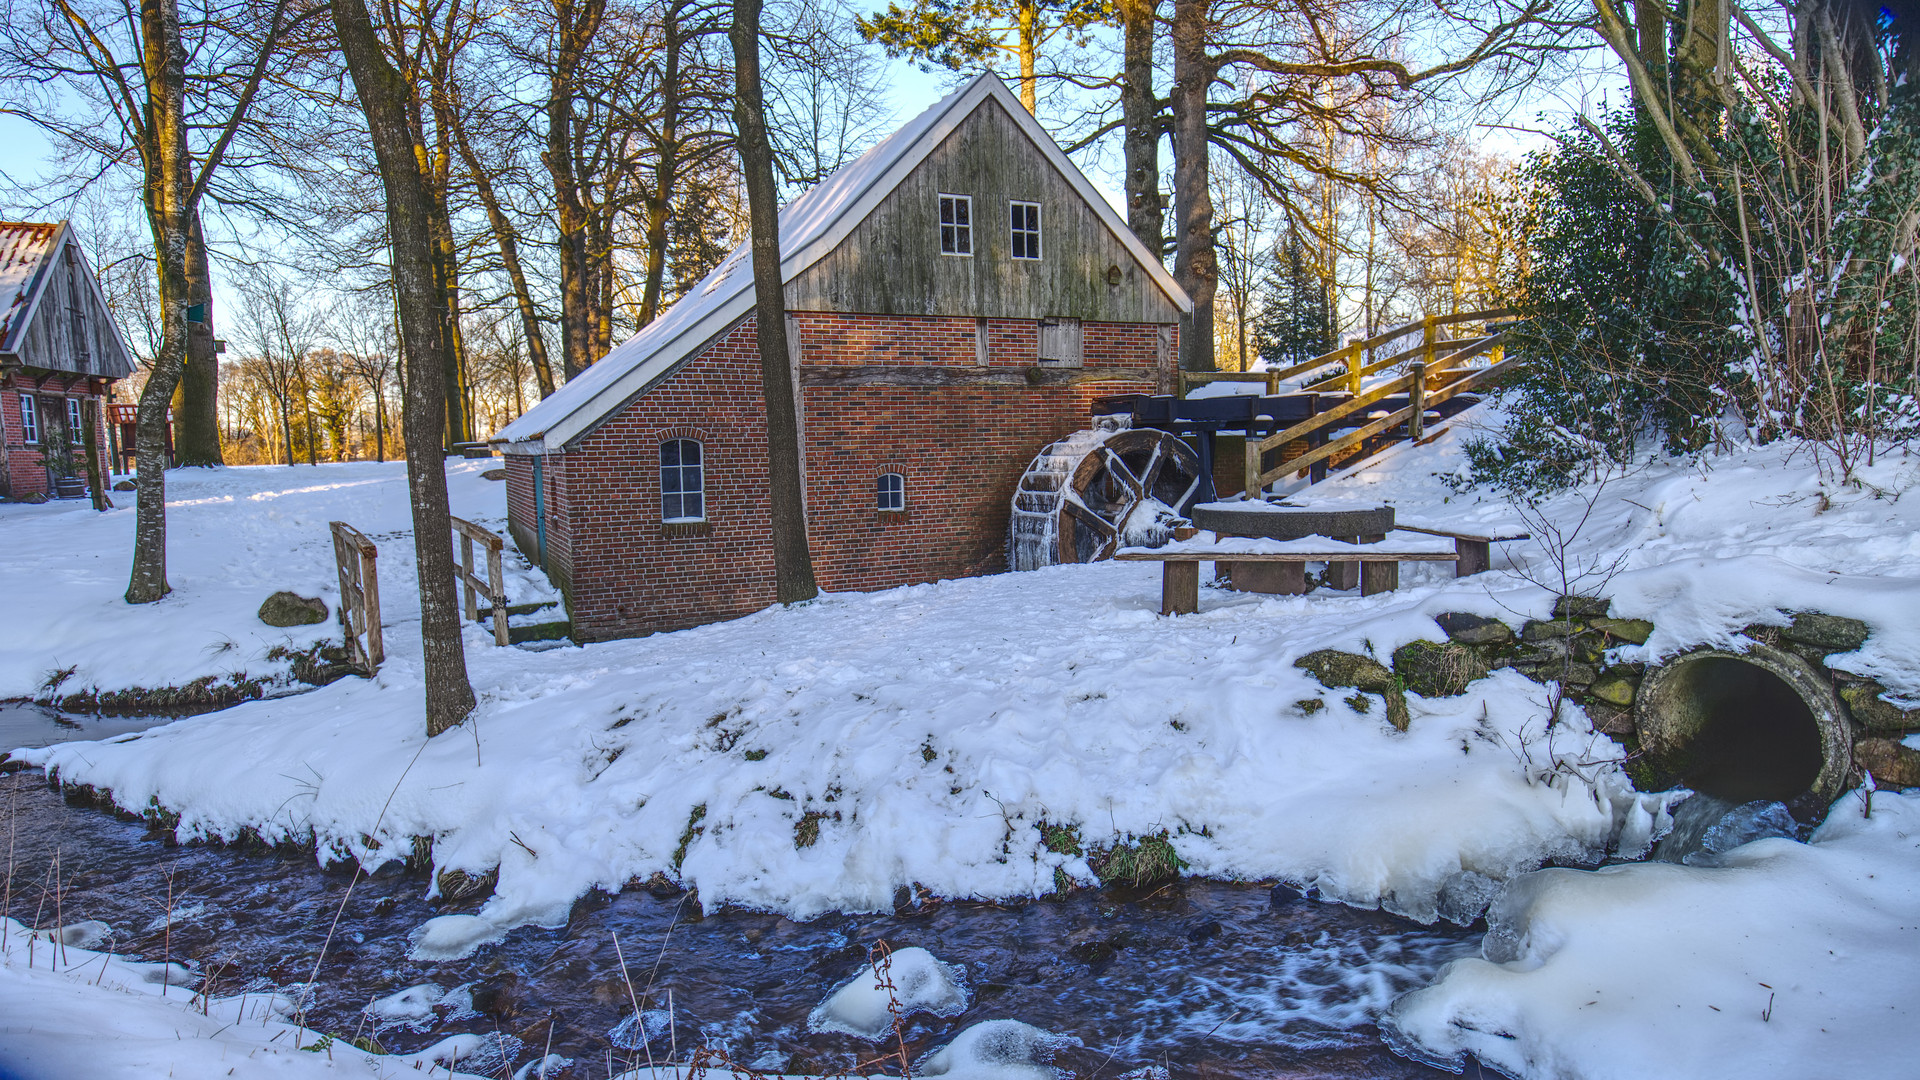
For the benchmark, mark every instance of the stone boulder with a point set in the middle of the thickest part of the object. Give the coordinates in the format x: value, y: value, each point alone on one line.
x: 291, y: 609
x: 1892, y: 764
x: 494, y: 474
x: 1828, y: 633
x: 1335, y: 668
x: 125, y: 485
x: 1464, y: 629
x: 1873, y: 712
x: 1434, y: 670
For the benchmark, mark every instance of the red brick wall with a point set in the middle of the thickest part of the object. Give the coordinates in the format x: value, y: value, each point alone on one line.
x: 960, y: 449
x: 25, y: 472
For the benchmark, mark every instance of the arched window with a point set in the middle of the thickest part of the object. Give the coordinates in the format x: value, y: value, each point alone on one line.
x: 683, y: 481
x: 890, y: 492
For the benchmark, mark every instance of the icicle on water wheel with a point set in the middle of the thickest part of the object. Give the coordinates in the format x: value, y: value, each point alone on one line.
x: 1094, y: 492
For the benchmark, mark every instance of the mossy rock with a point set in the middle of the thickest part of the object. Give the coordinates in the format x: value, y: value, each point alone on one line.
x: 1435, y: 670
x: 1537, y: 630
x: 291, y: 609
x: 1335, y: 668
x: 1615, y: 688
x: 1874, y: 713
x: 1631, y: 631
x: 1464, y: 629
x: 1828, y: 633
x: 1581, y: 607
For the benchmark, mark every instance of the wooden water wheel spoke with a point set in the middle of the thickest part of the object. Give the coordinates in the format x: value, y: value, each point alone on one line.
x: 1089, y: 494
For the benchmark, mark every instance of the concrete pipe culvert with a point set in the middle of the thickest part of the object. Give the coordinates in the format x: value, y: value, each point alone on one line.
x: 1759, y: 724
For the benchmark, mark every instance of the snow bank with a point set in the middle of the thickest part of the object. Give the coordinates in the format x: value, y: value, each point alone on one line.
x: 1784, y: 960
x: 864, y: 1006
x: 68, y: 1012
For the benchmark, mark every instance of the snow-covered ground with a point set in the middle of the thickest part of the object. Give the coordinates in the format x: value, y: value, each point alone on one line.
x: 237, y: 536
x: 824, y: 756
x: 67, y: 1011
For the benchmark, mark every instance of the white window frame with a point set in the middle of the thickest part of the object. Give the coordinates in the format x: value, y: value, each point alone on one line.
x: 29, y: 420
x: 682, y: 472
x: 890, y: 498
x: 1018, y: 231
x: 956, y: 236
x: 74, y: 424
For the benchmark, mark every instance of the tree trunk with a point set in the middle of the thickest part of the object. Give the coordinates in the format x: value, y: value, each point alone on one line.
x: 382, y: 93
x: 666, y: 168
x: 1141, y: 114
x: 508, y: 240
x: 1027, y: 13
x: 167, y: 192
x: 379, y: 422
x: 90, y: 431
x: 792, y: 561
x: 575, y: 26
x: 196, y: 404
x: 1194, y: 261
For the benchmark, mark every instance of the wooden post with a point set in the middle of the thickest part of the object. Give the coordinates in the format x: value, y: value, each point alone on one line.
x: 1417, y: 400
x: 1252, y: 489
x: 1427, y: 333
x: 90, y: 431
x: 1344, y: 575
x: 1179, y: 587
x: 1473, y: 556
x: 1356, y: 359
x: 370, y: 605
x: 499, y: 581
x: 466, y: 577
x: 1379, y: 577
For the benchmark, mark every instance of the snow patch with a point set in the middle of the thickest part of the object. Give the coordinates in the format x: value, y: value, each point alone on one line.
x: 863, y: 1006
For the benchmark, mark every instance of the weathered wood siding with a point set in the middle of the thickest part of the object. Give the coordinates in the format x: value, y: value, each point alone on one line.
x: 892, y: 265
x: 57, y: 340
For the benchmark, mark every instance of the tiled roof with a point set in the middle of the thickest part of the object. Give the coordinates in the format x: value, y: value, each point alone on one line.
x: 24, y: 250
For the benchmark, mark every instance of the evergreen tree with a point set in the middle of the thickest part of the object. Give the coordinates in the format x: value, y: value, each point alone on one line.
x: 1296, y: 310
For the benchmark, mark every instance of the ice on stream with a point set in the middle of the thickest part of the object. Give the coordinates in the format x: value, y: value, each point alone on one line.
x: 921, y: 983
x: 996, y: 1050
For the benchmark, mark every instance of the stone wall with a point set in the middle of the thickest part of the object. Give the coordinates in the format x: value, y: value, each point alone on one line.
x: 1575, y: 647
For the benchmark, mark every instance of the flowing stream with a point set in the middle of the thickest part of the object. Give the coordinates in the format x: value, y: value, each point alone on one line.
x: 1196, y: 977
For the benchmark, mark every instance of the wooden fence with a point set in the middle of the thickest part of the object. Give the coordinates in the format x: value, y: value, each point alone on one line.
x: 494, y: 587
x: 1435, y: 374
x: 354, y: 556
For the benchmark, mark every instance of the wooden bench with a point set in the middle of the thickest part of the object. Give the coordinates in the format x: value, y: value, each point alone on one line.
x: 1475, y: 551
x: 1180, y: 568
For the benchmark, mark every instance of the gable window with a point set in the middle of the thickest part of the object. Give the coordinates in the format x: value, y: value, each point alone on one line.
x: 683, y: 482
x: 73, y: 417
x: 890, y: 492
x: 1025, y: 223
x: 29, y: 420
x: 956, y: 224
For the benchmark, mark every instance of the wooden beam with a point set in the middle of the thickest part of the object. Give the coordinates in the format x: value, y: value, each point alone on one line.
x: 943, y: 376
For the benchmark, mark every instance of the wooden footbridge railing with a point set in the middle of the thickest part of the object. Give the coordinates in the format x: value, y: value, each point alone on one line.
x: 1436, y: 372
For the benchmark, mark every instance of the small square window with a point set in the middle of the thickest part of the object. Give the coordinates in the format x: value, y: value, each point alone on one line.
x: 682, y: 482
x: 956, y: 225
x: 1024, y: 219
x: 890, y: 492
x: 29, y: 420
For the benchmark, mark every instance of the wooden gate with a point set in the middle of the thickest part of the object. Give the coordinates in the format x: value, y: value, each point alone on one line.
x: 494, y: 587
x: 353, y: 556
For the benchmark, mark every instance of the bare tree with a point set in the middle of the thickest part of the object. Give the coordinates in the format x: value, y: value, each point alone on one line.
x: 793, y: 561
x: 384, y: 95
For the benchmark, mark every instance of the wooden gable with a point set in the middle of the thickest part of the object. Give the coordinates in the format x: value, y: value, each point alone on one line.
x: 892, y: 264
x: 56, y: 317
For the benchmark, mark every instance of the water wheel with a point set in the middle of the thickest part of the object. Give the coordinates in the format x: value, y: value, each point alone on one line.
x: 1093, y: 492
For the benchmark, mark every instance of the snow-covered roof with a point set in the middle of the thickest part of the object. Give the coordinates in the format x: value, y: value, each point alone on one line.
x: 811, y: 226
x: 26, y: 248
